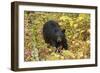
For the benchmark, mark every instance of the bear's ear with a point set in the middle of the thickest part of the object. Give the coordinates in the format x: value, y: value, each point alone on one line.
x: 63, y: 30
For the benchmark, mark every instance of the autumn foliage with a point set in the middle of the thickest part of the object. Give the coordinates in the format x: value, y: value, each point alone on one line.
x: 77, y: 31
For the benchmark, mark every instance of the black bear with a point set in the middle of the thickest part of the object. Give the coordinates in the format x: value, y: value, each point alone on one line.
x: 54, y: 35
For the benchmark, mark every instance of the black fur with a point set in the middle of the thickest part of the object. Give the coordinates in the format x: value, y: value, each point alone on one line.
x: 54, y: 35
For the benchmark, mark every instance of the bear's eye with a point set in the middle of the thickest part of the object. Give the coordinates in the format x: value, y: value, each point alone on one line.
x: 55, y: 30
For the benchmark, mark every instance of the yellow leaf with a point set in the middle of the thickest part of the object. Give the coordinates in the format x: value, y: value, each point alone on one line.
x: 68, y: 54
x: 71, y: 23
x: 63, y: 18
x: 79, y: 55
x: 75, y: 25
